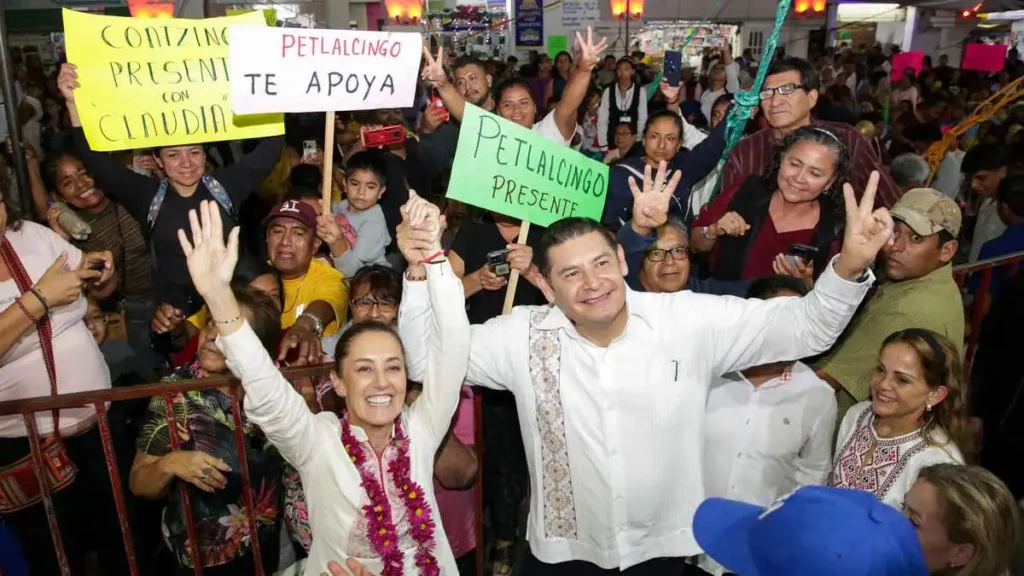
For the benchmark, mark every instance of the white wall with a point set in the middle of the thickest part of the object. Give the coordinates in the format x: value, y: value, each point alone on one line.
x: 889, y: 33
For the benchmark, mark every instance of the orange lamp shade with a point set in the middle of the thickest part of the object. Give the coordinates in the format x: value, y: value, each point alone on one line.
x: 818, y: 5
x: 405, y: 9
x: 801, y: 6
x: 618, y: 8
x: 636, y: 9
x: 148, y: 9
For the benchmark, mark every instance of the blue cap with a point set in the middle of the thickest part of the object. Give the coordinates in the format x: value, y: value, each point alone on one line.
x: 813, y: 531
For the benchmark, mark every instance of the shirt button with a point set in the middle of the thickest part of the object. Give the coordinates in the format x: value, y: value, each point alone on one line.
x: 748, y: 421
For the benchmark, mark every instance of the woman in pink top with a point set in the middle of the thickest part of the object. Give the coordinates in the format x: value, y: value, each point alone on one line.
x: 46, y: 348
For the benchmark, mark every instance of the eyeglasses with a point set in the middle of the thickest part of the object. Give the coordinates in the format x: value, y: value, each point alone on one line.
x: 364, y: 305
x: 784, y: 90
x: 679, y: 253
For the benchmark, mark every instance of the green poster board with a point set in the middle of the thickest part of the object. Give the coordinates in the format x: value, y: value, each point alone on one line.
x: 505, y: 168
x: 557, y: 44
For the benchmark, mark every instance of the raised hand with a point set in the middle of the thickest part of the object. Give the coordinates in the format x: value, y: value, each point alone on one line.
x: 433, y: 69
x: 419, y: 234
x: 588, y: 54
x: 210, y: 262
x: 67, y: 82
x: 650, y: 205
x: 867, y: 230
x: 671, y: 93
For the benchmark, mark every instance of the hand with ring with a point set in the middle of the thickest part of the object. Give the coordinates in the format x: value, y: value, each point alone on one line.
x: 732, y: 224
x: 197, y: 468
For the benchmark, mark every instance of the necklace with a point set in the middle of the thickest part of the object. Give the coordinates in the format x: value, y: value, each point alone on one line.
x: 380, y: 527
x: 295, y: 302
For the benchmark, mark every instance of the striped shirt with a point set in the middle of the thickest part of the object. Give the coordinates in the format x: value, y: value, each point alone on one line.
x: 114, y: 229
x: 753, y: 153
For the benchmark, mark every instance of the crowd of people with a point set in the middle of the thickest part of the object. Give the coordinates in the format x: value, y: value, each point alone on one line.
x: 750, y: 365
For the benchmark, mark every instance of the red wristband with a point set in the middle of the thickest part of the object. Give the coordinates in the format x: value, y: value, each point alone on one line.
x: 434, y: 256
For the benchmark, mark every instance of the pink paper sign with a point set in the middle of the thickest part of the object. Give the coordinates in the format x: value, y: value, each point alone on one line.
x: 906, y: 61
x: 984, y: 57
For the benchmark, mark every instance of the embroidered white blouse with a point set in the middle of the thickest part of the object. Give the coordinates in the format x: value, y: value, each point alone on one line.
x: 614, y: 436
x: 312, y: 443
x: 892, y: 469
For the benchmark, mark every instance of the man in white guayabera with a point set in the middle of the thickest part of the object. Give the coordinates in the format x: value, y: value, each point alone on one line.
x: 610, y: 384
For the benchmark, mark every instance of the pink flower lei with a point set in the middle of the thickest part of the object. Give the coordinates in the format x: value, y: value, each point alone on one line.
x: 381, y: 529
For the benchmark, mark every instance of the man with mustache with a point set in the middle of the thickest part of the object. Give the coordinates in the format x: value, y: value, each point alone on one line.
x: 789, y: 92
x: 917, y: 291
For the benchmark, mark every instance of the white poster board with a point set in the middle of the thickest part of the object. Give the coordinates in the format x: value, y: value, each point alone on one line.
x: 578, y: 14
x: 316, y: 70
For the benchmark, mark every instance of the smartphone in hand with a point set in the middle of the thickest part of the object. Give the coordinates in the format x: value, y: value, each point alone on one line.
x: 673, y: 67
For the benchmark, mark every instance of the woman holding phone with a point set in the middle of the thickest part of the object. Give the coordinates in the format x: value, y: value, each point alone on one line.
x: 788, y: 221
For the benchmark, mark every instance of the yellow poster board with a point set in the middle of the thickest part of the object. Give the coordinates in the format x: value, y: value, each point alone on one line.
x: 269, y: 13
x: 157, y: 82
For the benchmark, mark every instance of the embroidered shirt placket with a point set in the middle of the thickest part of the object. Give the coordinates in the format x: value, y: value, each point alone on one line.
x: 545, y: 366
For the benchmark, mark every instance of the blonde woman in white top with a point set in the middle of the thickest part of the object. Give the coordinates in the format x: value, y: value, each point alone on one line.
x: 916, y: 417
x: 367, y: 473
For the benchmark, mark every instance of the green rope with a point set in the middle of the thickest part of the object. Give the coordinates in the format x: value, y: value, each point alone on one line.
x: 747, y: 100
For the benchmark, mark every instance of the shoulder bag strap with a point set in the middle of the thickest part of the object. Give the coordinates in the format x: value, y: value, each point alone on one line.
x: 44, y: 327
x: 156, y: 203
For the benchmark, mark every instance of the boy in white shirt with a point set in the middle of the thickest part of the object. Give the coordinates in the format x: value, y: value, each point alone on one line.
x: 364, y: 185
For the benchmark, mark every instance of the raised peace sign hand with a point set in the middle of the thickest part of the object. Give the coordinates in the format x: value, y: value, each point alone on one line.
x: 587, y: 53
x: 433, y: 70
x: 650, y: 205
x: 867, y: 230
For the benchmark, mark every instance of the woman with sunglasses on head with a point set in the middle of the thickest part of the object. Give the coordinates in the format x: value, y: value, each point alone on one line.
x: 916, y: 417
x: 750, y: 231
x: 367, y: 472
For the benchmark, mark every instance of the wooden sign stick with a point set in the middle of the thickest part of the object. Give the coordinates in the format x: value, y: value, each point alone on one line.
x: 328, y: 168
x: 513, y: 278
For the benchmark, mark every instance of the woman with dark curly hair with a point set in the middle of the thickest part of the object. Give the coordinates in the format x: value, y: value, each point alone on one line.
x: 916, y: 417
x: 798, y: 200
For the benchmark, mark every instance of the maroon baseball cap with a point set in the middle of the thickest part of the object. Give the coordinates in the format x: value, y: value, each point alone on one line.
x: 295, y: 210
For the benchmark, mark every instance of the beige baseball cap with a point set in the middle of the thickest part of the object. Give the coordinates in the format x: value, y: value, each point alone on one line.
x: 927, y: 211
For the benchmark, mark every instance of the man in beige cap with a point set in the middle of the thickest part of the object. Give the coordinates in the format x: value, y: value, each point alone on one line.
x: 916, y: 291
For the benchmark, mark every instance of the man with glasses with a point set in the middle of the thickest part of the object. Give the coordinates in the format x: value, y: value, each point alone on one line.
x: 374, y: 294
x: 789, y: 92
x: 658, y: 260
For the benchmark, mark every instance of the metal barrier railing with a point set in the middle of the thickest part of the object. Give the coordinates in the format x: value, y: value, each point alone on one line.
x: 99, y: 399
x: 982, y: 297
